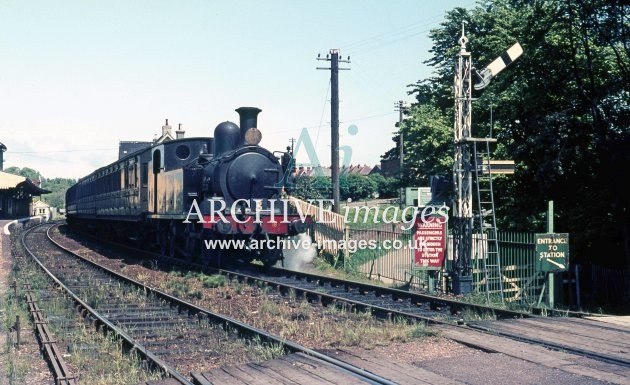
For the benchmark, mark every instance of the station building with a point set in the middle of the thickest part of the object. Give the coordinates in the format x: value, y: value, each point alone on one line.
x: 41, y: 209
x: 16, y: 195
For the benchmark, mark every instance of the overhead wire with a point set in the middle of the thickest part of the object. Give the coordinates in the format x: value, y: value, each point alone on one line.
x: 399, y: 33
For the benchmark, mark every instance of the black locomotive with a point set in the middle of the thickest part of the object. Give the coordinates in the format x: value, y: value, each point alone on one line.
x: 206, y: 198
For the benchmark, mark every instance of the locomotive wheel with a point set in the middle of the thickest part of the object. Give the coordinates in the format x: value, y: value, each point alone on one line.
x: 212, y: 258
x: 271, y: 257
x: 171, y: 239
x: 192, y: 243
x: 167, y: 240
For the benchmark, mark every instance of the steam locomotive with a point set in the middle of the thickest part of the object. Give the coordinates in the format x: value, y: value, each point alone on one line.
x: 184, y: 196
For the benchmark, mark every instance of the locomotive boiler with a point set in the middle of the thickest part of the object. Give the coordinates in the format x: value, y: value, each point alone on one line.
x: 210, y: 199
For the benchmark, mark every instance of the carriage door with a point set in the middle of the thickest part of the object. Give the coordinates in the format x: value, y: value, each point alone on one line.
x: 144, y: 186
x: 157, y: 166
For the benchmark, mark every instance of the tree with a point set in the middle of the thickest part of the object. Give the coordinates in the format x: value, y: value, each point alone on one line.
x: 356, y: 187
x: 427, y: 144
x: 560, y: 112
x: 31, y: 174
x: 308, y: 187
x: 56, y: 186
x: 386, y: 187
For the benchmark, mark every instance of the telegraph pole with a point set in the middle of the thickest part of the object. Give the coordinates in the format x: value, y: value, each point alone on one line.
x: 400, y: 107
x: 334, y: 59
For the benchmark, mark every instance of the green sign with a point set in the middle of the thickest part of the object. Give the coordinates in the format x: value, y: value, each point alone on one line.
x: 552, y: 252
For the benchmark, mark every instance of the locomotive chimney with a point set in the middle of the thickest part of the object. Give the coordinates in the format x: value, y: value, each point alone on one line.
x: 249, y: 119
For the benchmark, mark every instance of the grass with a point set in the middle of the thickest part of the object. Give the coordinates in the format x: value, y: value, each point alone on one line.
x: 421, y: 331
x: 17, y: 365
x: 96, y: 358
x: 102, y: 360
x: 471, y: 315
x: 323, y: 264
x: 362, y: 256
x: 295, y: 319
x: 212, y: 281
x: 336, y: 326
x: 265, y: 352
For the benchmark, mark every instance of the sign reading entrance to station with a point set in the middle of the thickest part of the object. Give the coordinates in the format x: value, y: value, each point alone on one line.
x: 552, y: 252
x: 429, y: 241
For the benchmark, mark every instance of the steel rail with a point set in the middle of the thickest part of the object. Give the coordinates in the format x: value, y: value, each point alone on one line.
x: 398, y: 294
x: 326, y: 299
x: 102, y: 321
x: 227, y: 322
x: 48, y: 344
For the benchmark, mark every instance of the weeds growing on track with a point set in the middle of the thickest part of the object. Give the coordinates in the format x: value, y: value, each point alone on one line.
x: 95, y: 358
x: 333, y: 326
x: 17, y: 365
x: 291, y: 317
x: 212, y: 281
x: 101, y: 360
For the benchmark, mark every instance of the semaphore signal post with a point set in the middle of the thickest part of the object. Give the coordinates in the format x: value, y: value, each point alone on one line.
x: 472, y: 162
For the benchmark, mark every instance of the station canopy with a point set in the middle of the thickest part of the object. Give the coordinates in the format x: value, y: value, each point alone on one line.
x: 12, y: 181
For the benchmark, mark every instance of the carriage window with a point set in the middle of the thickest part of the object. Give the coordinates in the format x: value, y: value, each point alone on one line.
x: 157, y: 162
x: 182, y: 151
x: 144, y: 174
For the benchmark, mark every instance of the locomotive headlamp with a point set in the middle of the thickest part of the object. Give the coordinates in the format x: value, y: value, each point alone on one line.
x: 253, y: 136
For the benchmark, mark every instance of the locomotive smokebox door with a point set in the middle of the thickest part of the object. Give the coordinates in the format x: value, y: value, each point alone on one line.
x: 250, y: 174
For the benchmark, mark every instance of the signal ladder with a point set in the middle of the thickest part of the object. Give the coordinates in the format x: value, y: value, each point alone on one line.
x: 488, y: 244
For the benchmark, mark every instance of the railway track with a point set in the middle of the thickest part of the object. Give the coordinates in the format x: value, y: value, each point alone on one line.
x: 161, y: 328
x: 381, y: 301
x: 387, y: 302
x: 528, y: 328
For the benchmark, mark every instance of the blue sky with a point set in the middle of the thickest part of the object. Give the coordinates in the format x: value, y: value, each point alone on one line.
x: 76, y: 77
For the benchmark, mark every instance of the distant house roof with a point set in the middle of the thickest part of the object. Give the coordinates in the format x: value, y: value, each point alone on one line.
x: 10, y: 181
x: 166, y: 134
x: 129, y: 147
x: 390, y: 167
x: 41, y: 205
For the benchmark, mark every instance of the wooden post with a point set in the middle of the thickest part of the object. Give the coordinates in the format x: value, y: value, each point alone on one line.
x: 346, y: 252
x: 551, y: 276
x: 17, y: 330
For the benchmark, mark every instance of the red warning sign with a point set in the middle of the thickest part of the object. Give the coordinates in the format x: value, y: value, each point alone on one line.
x: 429, y: 241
